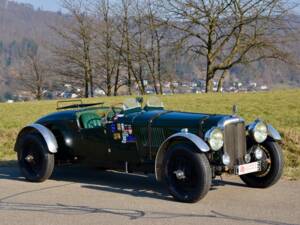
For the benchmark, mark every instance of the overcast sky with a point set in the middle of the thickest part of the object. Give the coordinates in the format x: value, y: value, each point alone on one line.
x: 52, y: 5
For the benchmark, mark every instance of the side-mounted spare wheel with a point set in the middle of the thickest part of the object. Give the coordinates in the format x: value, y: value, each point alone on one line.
x: 35, y: 160
x: 186, y: 172
x: 272, y: 167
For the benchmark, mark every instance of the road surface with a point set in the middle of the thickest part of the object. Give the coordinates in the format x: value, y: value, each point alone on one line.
x: 84, y: 196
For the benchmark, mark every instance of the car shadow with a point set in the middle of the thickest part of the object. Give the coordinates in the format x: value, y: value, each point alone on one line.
x: 137, y: 185
x: 111, y: 181
x: 124, y: 183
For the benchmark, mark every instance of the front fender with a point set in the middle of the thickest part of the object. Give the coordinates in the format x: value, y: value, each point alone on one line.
x: 273, y: 133
x: 46, y: 134
x: 200, y: 145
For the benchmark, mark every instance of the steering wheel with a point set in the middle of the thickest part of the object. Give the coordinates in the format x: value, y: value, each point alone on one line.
x: 115, y: 110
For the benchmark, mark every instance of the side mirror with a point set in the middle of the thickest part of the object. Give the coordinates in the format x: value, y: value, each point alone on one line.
x: 140, y: 100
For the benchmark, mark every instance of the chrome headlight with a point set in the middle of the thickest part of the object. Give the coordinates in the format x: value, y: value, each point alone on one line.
x: 215, y: 138
x: 259, y: 131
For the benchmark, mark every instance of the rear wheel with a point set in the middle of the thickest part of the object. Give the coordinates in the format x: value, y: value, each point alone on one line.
x: 186, y: 173
x: 272, y: 167
x: 35, y: 161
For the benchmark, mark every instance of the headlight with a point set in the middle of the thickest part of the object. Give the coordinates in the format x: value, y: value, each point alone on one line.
x: 259, y: 132
x: 215, y: 138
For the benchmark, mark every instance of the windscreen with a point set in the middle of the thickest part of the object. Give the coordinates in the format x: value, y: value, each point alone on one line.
x: 154, y: 102
x: 131, y: 103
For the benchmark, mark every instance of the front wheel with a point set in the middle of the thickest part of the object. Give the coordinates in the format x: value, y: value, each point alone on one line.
x: 186, y: 173
x: 35, y: 161
x: 272, y: 167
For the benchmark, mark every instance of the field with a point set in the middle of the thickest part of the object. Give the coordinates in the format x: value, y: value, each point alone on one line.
x: 280, y: 108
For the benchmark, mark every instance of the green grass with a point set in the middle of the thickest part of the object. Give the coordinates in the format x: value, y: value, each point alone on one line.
x: 280, y: 108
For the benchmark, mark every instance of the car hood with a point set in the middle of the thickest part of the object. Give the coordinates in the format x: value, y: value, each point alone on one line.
x: 174, y: 119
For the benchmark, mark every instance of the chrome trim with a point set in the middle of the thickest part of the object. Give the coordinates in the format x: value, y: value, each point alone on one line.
x: 272, y: 132
x: 252, y: 125
x: 201, y: 145
x: 234, y: 147
x: 230, y: 119
x: 47, y: 135
x: 192, y: 137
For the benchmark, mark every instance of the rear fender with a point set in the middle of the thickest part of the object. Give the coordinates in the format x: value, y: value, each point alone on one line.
x: 44, y: 132
x: 200, y: 146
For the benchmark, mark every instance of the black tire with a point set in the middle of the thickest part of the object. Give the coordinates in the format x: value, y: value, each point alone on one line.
x: 40, y: 166
x: 271, y: 172
x: 197, y: 172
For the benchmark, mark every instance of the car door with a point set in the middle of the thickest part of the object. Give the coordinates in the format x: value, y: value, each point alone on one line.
x: 94, y: 143
x: 121, y: 143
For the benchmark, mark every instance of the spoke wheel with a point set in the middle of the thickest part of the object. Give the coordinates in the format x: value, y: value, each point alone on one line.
x: 181, y: 173
x: 35, y: 161
x: 187, y: 173
x: 266, y: 163
x: 32, y: 158
x: 271, y: 164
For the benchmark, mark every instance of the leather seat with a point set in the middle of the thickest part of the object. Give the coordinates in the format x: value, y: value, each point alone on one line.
x: 90, y: 120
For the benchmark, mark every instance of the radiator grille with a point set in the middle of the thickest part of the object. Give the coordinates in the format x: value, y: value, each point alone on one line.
x: 157, y: 136
x: 235, y: 142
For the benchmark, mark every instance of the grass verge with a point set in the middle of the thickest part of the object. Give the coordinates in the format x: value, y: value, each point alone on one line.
x: 280, y: 108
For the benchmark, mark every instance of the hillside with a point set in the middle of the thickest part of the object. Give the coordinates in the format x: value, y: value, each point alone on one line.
x: 23, y: 29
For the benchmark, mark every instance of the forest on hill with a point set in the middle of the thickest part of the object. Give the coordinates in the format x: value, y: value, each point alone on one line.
x: 133, y: 48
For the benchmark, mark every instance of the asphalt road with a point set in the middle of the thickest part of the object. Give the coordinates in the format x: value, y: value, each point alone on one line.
x: 84, y: 196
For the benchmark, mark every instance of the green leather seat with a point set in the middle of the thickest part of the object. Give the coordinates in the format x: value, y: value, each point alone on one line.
x: 90, y: 120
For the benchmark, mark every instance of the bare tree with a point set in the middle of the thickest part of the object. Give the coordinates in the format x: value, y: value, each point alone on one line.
x: 77, y: 36
x: 224, y: 33
x: 127, y: 44
x: 132, y: 41
x: 106, y: 62
x: 32, y: 74
x: 157, y: 28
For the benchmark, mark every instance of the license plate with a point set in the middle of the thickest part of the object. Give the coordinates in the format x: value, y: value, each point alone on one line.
x: 247, y: 168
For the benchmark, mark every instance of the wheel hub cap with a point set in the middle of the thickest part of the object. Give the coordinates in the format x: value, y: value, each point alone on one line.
x: 29, y: 159
x: 179, y: 174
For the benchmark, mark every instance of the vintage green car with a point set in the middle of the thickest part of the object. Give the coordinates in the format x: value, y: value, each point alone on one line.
x: 185, y: 150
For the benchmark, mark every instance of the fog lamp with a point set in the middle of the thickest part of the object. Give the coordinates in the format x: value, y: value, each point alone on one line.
x: 226, y: 159
x: 258, y: 153
x: 247, y: 158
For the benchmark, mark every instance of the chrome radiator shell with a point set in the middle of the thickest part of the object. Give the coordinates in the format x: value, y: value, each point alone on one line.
x: 234, y: 140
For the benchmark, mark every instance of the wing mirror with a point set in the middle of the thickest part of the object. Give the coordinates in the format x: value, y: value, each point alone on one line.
x: 140, y: 100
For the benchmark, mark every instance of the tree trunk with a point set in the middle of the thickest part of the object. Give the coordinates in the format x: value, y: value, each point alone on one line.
x: 108, y: 77
x: 39, y: 93
x: 208, y: 87
x: 91, y: 85
x: 141, y: 80
x: 117, y: 81
x: 159, y: 67
x: 221, y: 81
x: 209, y: 83
x: 86, y: 84
x: 129, y: 83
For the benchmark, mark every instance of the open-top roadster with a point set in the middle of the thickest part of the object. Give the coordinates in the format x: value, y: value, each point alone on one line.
x: 185, y: 150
